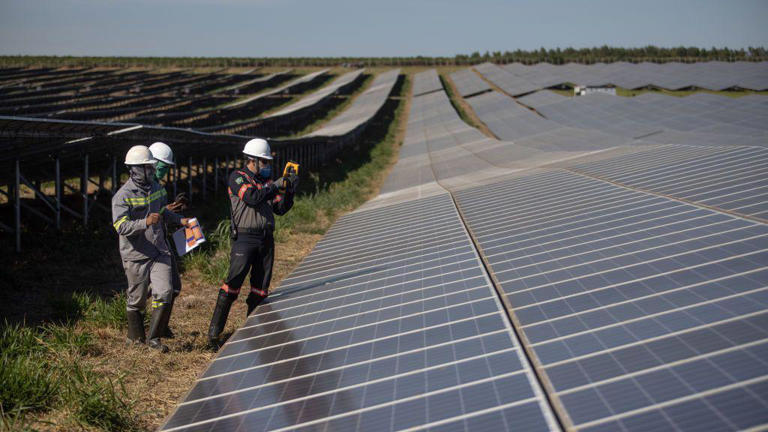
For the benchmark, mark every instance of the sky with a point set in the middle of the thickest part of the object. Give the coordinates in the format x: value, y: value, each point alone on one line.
x: 382, y: 28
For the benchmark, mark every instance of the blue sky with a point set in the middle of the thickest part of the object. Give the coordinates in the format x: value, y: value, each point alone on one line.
x: 256, y: 28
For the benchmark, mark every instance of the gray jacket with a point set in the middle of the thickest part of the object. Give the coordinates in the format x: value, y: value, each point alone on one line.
x: 255, y: 202
x: 130, y: 207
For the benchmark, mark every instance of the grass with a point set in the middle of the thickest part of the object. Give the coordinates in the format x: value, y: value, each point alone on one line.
x: 451, y: 91
x: 463, y: 108
x: 43, y: 370
x: 65, y: 366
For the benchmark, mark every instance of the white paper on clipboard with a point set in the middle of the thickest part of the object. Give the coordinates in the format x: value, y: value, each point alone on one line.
x: 187, y: 238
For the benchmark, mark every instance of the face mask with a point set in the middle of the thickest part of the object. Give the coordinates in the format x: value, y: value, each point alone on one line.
x: 161, y: 170
x: 143, y: 175
x: 266, y: 172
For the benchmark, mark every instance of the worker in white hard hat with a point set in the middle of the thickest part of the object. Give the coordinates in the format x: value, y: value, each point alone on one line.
x: 164, y: 156
x: 254, y: 199
x: 138, y: 213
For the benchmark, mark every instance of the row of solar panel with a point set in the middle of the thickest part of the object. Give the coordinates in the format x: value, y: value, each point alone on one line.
x: 388, y: 329
x: 185, y: 101
x: 638, y: 307
x: 517, y: 79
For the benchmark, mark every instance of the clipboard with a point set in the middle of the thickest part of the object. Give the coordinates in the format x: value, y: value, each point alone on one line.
x: 187, y: 238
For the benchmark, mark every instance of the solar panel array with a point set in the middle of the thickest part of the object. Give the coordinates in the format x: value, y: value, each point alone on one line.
x: 700, y: 113
x: 39, y: 150
x: 708, y: 75
x: 518, y: 79
x: 388, y: 328
x: 282, y: 89
x: 645, y: 306
x: 313, y: 98
x: 362, y: 109
x: 270, y: 124
x: 622, y: 283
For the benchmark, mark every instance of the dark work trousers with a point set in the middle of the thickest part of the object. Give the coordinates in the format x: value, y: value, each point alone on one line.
x: 255, y: 253
x: 175, y: 277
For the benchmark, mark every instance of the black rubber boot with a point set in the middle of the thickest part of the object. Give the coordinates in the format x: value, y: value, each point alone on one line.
x: 219, y: 318
x: 168, y: 334
x: 161, y: 314
x: 135, y: 328
x: 254, y: 300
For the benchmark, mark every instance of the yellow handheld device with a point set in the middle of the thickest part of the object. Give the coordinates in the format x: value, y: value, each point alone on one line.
x: 291, y: 168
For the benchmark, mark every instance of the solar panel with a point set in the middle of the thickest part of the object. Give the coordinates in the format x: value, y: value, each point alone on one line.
x: 731, y: 179
x: 512, y: 84
x: 469, y: 83
x: 541, y: 98
x: 672, y: 75
x: 282, y: 89
x: 321, y: 94
x: 273, y: 123
x: 429, y: 82
x: 634, y: 304
x: 626, y: 285
x: 362, y: 109
x: 393, y: 328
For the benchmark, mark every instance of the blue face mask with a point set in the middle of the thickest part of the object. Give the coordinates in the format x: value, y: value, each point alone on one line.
x: 266, y: 172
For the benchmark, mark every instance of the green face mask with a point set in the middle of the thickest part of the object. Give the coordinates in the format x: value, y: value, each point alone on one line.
x: 161, y: 170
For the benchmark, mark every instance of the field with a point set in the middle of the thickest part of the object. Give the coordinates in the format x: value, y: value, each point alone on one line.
x: 65, y: 365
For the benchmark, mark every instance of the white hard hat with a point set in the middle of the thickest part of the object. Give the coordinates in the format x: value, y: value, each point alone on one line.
x: 258, y: 148
x: 139, y: 155
x: 162, y: 152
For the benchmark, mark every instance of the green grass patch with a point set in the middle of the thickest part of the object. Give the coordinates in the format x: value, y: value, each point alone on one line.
x: 92, y: 308
x: 563, y: 92
x: 96, y: 401
x: 42, y: 369
x: 457, y: 106
x: 27, y: 384
x: 682, y: 93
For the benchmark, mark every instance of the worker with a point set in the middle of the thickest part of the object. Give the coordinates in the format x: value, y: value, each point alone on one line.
x: 254, y: 200
x: 138, y: 213
x: 163, y: 154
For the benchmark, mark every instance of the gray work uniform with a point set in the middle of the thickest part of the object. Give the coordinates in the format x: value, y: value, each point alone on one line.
x: 143, y: 249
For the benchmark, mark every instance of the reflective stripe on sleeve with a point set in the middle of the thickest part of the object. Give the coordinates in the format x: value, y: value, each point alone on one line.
x: 242, y: 190
x: 120, y: 222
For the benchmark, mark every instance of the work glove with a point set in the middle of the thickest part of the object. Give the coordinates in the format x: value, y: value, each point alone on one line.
x: 279, y: 183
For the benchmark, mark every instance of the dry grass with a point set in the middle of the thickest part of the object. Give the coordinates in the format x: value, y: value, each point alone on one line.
x: 463, y: 108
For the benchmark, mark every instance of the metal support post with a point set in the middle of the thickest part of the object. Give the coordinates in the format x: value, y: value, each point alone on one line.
x: 84, y: 190
x: 216, y: 175
x: 17, y: 205
x: 205, y: 176
x: 175, y: 174
x: 189, y: 177
x: 114, y: 175
x: 58, y: 193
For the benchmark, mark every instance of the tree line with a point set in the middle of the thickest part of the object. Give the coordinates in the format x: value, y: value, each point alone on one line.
x: 604, y: 54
